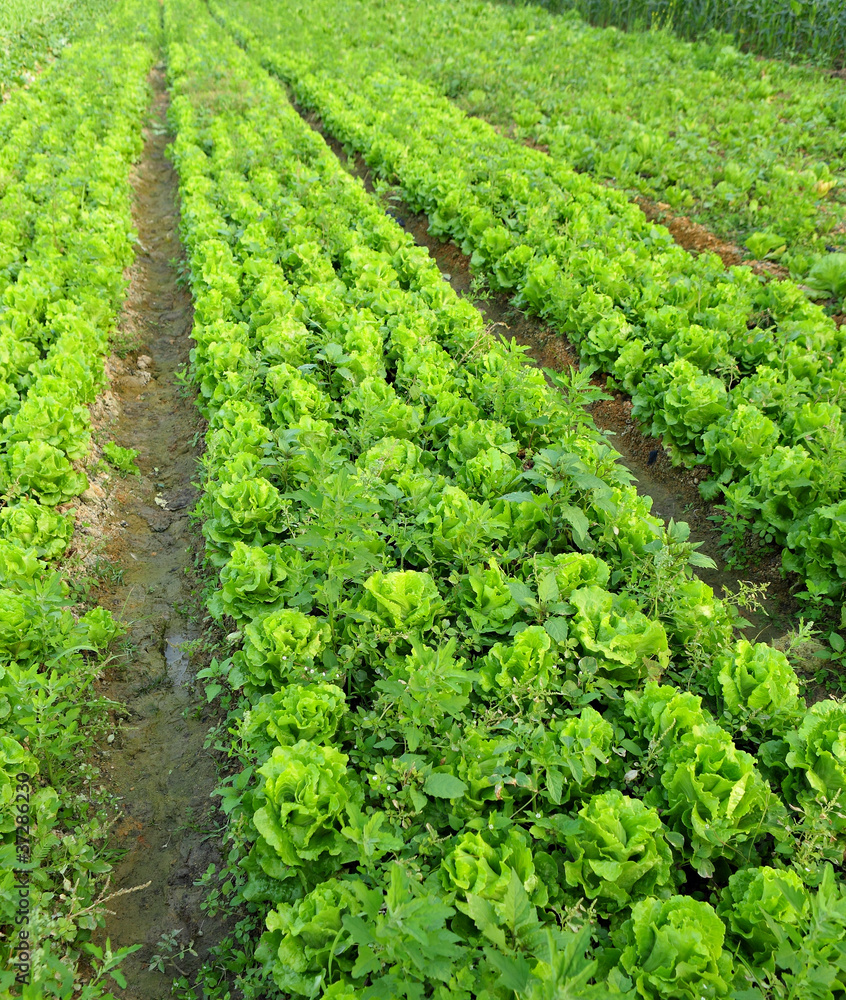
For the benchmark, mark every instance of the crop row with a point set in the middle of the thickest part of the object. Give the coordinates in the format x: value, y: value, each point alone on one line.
x: 452, y: 617
x: 730, y: 371
x: 65, y: 241
x: 750, y: 149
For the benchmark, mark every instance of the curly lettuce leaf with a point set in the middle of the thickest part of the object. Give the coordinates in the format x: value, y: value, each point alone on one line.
x: 619, y: 851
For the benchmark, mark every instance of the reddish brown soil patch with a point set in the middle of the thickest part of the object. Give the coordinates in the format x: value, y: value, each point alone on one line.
x: 696, y: 238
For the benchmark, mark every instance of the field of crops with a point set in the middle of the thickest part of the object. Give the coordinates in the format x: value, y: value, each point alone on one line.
x: 480, y: 730
x: 731, y: 372
x: 752, y: 149
x: 32, y: 32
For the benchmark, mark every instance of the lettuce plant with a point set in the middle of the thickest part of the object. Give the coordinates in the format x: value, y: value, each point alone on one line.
x: 716, y: 798
x: 526, y: 518
x: 738, y: 440
x: 391, y: 456
x: 96, y: 629
x: 479, y: 764
x: 755, y: 900
x: 297, y: 712
x: 818, y: 752
x: 278, y: 646
x: 302, y: 938
x: 405, y: 600
x: 466, y: 441
x: 783, y: 485
x: 305, y: 793
x: 619, y: 851
x: 766, y: 245
x: 41, y: 469
x: 489, y: 474
x: 457, y: 528
x: 250, y: 576
x: 379, y: 412
x: 572, y: 570
x: 623, y: 638
x: 261, y: 577
x: 694, y: 616
x: 827, y: 276
x: 123, y: 459
x: 19, y: 566
x: 243, y: 510
x: 238, y: 429
x: 706, y: 349
x: 661, y: 714
x: 32, y: 525
x: 682, y: 403
x: 484, y: 596
x: 51, y: 413
x: 817, y: 549
x: 674, y: 948
x: 758, y: 686
x: 14, y: 760
x: 36, y: 623
x: 813, y: 424
x: 293, y: 397
x: 525, y: 662
x: 810, y: 954
x: 481, y: 864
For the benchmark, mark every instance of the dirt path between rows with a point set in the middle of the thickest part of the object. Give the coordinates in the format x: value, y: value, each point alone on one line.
x: 140, y: 526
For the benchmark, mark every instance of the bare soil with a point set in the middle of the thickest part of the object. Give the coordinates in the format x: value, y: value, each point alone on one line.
x: 139, y: 528
x: 696, y: 238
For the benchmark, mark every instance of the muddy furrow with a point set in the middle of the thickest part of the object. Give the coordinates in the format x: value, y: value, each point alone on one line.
x: 674, y: 490
x: 140, y: 530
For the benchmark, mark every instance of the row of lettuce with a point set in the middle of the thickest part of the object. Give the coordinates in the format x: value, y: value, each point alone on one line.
x: 67, y: 145
x: 727, y: 369
x: 456, y: 772
x: 749, y: 148
x: 33, y: 32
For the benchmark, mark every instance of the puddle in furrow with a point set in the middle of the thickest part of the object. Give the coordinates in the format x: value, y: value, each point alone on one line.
x: 177, y: 659
x: 140, y: 528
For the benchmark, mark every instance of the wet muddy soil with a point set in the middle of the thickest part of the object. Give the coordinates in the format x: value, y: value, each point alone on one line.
x: 139, y: 528
x: 674, y: 490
